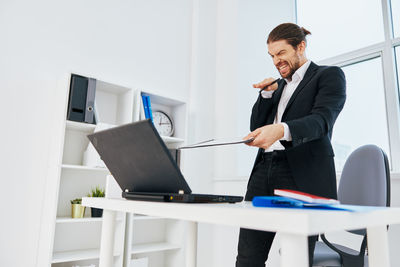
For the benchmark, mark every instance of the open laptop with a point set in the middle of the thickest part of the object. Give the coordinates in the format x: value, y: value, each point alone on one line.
x: 143, y: 167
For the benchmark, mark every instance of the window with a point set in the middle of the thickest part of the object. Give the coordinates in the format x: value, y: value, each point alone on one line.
x: 340, y: 26
x: 396, y: 17
x: 359, y: 124
x: 350, y: 34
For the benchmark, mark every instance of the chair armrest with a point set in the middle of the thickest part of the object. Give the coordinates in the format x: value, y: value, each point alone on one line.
x: 343, y: 253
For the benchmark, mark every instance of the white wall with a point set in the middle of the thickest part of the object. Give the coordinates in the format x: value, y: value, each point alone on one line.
x: 141, y: 43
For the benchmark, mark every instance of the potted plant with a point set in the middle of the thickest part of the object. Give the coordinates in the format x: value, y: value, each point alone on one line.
x: 97, y: 192
x: 77, y: 210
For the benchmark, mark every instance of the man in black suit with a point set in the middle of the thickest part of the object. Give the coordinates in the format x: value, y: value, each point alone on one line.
x: 291, y: 123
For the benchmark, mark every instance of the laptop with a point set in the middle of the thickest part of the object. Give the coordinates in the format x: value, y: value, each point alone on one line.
x: 143, y: 167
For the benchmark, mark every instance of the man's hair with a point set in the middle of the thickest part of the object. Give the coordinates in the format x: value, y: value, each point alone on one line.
x: 290, y: 32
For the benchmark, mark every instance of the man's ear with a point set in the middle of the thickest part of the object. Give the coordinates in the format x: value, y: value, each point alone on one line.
x: 301, y: 47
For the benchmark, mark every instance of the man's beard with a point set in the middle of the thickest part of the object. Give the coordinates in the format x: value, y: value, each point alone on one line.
x: 292, y: 70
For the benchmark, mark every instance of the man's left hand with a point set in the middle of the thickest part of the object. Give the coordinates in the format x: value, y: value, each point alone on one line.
x: 265, y: 136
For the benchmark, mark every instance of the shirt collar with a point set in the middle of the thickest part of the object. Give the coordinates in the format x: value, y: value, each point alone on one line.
x: 300, y: 72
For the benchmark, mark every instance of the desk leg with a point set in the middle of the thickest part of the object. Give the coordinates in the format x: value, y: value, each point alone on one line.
x: 107, y: 239
x: 191, y: 245
x: 378, y: 246
x: 294, y: 250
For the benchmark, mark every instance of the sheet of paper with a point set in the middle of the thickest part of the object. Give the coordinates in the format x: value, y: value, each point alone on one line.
x: 218, y: 142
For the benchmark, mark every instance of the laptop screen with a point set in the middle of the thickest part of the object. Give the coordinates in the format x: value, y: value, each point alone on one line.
x: 138, y: 159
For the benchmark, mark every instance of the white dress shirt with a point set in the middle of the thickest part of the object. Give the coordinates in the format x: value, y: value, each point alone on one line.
x: 287, y: 93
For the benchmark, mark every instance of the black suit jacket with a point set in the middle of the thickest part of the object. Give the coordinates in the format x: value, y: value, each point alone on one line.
x: 310, y: 114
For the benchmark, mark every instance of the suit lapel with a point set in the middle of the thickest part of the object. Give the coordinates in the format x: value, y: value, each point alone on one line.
x: 307, y: 77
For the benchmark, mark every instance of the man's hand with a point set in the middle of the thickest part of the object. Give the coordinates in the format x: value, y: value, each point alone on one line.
x: 265, y: 136
x: 265, y: 82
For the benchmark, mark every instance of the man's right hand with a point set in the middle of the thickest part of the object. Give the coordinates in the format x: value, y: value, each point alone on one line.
x: 265, y: 82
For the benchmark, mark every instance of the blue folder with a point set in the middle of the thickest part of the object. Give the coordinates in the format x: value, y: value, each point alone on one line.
x: 285, y: 202
x: 145, y: 107
x: 149, y: 108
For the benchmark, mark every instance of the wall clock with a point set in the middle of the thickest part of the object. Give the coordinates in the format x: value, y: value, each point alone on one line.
x: 163, y: 123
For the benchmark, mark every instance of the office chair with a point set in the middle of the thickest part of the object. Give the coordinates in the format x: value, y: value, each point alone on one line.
x: 365, y: 180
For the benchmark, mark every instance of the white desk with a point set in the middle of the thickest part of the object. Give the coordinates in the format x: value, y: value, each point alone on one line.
x: 294, y: 225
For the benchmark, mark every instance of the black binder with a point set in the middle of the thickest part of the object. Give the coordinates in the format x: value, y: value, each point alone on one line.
x: 82, y: 93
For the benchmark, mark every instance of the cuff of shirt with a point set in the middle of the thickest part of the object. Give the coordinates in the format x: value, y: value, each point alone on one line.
x: 286, y: 133
x: 266, y: 94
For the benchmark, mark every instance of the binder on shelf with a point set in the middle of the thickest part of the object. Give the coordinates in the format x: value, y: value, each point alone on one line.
x: 145, y: 107
x: 82, y: 94
x: 149, y: 108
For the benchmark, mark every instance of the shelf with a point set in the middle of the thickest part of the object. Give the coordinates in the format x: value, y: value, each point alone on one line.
x: 77, y: 220
x: 171, y: 140
x: 145, y: 217
x: 77, y: 255
x: 153, y: 247
x: 83, y: 168
x: 81, y: 220
x: 81, y: 126
x: 159, y: 99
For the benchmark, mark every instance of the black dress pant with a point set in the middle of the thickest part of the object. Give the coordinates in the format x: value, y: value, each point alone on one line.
x: 271, y: 173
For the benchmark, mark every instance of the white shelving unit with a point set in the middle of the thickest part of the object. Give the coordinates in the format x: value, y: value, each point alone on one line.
x: 77, y: 241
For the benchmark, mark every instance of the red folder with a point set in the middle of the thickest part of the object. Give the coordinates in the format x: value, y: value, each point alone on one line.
x: 305, y: 196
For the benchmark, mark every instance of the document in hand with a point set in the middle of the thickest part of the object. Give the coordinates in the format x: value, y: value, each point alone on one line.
x: 286, y: 202
x: 304, y: 196
x: 218, y: 142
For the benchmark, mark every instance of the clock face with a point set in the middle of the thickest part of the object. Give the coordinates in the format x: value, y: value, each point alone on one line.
x: 163, y: 123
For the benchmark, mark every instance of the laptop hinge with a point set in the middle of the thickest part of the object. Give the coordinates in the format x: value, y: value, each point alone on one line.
x: 181, y: 192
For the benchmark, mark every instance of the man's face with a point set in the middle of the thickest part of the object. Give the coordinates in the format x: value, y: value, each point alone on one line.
x: 286, y: 59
